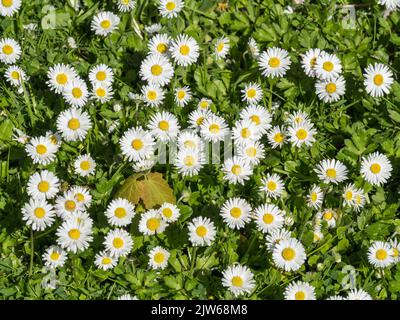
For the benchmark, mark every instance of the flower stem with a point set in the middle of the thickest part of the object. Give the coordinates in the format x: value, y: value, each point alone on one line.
x: 32, y: 250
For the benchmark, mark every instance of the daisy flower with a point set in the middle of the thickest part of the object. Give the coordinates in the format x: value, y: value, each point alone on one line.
x: 238, y: 279
x: 74, y: 236
x: 253, y: 47
x: 302, y: 133
x: 214, y: 128
x: 59, y: 76
x: 126, y: 5
x: 82, y: 195
x: 159, y: 44
x: 118, y: 243
x: 308, y: 61
x: 54, y: 137
x: 10, y: 50
x: 197, y: 117
x: 318, y: 235
x: 299, y: 290
x: 9, y: 7
x: 390, y: 5
x: 201, y: 231
x: 273, y: 185
x: 41, y: 150
x: 348, y: 194
x: 274, y: 62
x: 38, y: 214
x: 137, y: 144
x: 222, y: 47
x: 158, y: 258
x: 120, y: 212
x: 275, y: 237
x: 15, y: 76
x: 189, y: 140
x: 204, y: 103
x: 376, y: 168
x: 153, y: 28
x: 359, y: 199
x: 276, y: 137
x: 259, y: 116
x: 378, y: 79
x: 189, y: 161
x: 253, y: 152
x: 331, y: 170
x: 330, y: 90
x: 395, y: 247
x: 268, y: 218
x: 67, y: 204
x: 297, y: 118
x: 169, y: 212
x: 101, y: 74
x: 54, y: 257
x: 81, y: 217
x: 185, y: 50
x: 104, y: 23
x: 102, y: 93
x: 104, y: 260
x: 84, y: 165
x: 164, y: 126
x: 289, y: 255
x: 329, y: 216
x: 170, y: 8
x: 182, y: 96
x: 380, y: 254
x: 245, y: 131
x: 151, y: 223
x: 236, y: 213
x: 327, y: 66
x: 358, y: 294
x: 76, y: 92
x: 315, y: 197
x: 43, y: 184
x: 143, y: 165
x: 237, y: 170
x: 153, y: 95
x: 73, y: 124
x: 252, y: 93
x: 156, y: 69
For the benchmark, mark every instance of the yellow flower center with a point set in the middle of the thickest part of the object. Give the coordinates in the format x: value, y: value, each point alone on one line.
x: 199, y: 121
x: 181, y: 94
x: 378, y: 79
x: 39, y: 213
x: 395, y: 252
x: 288, y: 254
x: 328, y: 215
x: 118, y: 243
x: 316, y: 237
x: 184, y: 50
x: 331, y: 173
x: 251, y: 152
x: 101, y: 92
x: 214, y: 128
x: 74, y: 234
x: 85, y: 165
x: 189, y: 161
x: 274, y: 62
x: 272, y: 185
x: 137, y: 144
x: 54, y: 256
x: 327, y: 66
x: 62, y: 78
x: 268, y: 218
x: 159, y: 257
x: 189, y: 144
x: 77, y: 92
x: 256, y: 119
x: 79, y: 197
x: 43, y: 186
x: 236, y: 169
x: 162, y: 47
x: 170, y: 6
x: 220, y: 46
x: 330, y: 88
x: 105, y: 24
x: 153, y: 224
x: 120, y: 213
x: 101, y: 76
x: 41, y: 149
x: 236, y: 212
x: 314, y: 196
x: 349, y: 195
x: 201, y: 231
x: 313, y: 61
x: 278, y: 137
x: 300, y: 295
x: 246, y: 133
x: 251, y: 93
x: 74, y: 124
x: 204, y: 104
x: 152, y: 95
x: 301, y: 134
x: 163, y: 125
x: 7, y: 3
x: 237, y: 281
x: 375, y: 168
x: 106, y: 261
x: 70, y: 205
x: 381, y: 254
x: 15, y: 75
x: 167, y: 212
x: 156, y: 70
x: 7, y: 49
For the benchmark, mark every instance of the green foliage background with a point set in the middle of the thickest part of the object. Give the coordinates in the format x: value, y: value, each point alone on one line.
x: 347, y: 130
